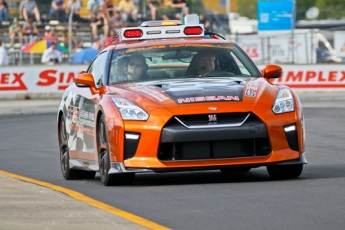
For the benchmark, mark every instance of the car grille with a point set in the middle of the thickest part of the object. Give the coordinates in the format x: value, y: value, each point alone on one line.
x: 214, y: 149
x: 248, y: 140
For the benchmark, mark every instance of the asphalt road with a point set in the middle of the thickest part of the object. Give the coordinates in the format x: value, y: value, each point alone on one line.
x: 202, y: 200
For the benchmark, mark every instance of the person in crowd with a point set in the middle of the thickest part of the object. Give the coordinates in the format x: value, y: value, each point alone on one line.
x: 113, y: 39
x: 137, y: 67
x: 130, y: 11
x: 3, y: 55
x: 30, y: 31
x: 50, y: 35
x: 153, y: 6
x: 179, y: 9
x: 97, y: 44
x: 116, y: 21
x: 3, y: 11
x: 204, y: 20
x: 75, y: 6
x: 110, y: 39
x: 28, y: 8
x: 51, y: 55
x: 58, y: 10
x: 100, y: 22
x: 15, y: 32
x: 109, y: 8
x: 77, y: 44
x: 95, y: 8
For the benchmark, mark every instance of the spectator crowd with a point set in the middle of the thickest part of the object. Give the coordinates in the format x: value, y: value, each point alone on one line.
x: 105, y: 18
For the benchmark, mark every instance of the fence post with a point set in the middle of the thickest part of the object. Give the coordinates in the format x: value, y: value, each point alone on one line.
x: 70, y: 22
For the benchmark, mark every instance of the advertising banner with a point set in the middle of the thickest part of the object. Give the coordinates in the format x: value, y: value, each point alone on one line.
x: 313, y: 77
x: 37, y: 79
x: 276, y: 15
x: 54, y: 79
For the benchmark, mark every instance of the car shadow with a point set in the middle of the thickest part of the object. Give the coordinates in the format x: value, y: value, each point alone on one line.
x: 310, y: 172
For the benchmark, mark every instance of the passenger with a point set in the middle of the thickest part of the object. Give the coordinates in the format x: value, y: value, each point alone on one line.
x: 137, y: 68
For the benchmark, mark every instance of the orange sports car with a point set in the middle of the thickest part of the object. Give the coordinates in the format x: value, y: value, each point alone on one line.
x: 170, y: 96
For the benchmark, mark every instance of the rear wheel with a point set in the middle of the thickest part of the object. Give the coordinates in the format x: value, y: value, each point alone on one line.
x: 104, y: 160
x: 69, y: 174
x: 285, y: 171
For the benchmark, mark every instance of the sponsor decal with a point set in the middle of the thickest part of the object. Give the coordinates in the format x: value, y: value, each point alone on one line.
x: 151, y: 92
x: 203, y: 45
x: 251, y: 88
x: 80, y: 119
x: 207, y: 98
x: 141, y: 49
x: 81, y: 129
x: 12, y: 81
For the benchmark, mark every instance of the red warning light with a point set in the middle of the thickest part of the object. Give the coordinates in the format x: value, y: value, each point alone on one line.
x: 134, y: 33
x: 195, y: 30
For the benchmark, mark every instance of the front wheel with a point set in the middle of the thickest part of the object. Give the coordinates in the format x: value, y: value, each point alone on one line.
x: 104, y: 160
x: 285, y: 171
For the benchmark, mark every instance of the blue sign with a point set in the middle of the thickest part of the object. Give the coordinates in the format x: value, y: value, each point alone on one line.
x: 276, y: 15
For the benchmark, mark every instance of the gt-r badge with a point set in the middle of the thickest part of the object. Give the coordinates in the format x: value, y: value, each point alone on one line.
x: 212, y: 117
x: 212, y: 108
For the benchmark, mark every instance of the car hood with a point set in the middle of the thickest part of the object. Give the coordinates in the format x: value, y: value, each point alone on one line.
x: 172, y: 93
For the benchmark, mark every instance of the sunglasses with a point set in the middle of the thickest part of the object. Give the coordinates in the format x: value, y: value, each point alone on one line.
x: 135, y: 64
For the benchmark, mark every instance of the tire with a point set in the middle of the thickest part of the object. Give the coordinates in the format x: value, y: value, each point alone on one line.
x: 67, y: 173
x: 104, y: 160
x: 236, y: 170
x: 285, y: 171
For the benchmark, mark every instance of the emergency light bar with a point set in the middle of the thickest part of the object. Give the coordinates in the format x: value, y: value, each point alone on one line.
x: 165, y: 29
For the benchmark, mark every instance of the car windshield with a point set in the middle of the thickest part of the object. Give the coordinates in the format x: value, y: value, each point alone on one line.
x: 161, y: 62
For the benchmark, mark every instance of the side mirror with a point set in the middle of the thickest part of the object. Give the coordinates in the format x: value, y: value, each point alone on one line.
x: 272, y: 71
x: 86, y: 80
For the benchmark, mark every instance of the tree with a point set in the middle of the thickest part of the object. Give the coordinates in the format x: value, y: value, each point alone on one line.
x: 328, y: 8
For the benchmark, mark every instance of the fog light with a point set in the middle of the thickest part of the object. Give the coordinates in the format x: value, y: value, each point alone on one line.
x: 290, y: 128
x: 132, y: 136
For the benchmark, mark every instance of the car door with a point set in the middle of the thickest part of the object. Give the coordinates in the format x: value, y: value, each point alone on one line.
x: 82, y: 113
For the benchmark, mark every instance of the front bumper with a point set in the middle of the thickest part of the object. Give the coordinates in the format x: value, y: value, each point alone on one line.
x: 119, y: 167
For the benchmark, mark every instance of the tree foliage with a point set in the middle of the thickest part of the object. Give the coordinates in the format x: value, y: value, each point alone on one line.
x: 328, y: 8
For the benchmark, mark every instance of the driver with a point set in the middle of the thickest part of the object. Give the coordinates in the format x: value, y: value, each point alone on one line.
x: 137, y: 67
x: 205, y: 62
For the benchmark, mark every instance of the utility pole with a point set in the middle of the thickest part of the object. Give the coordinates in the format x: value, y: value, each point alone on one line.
x: 228, y: 6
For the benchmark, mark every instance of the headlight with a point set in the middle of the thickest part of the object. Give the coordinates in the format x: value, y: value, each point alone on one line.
x: 284, y: 102
x: 130, y: 111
